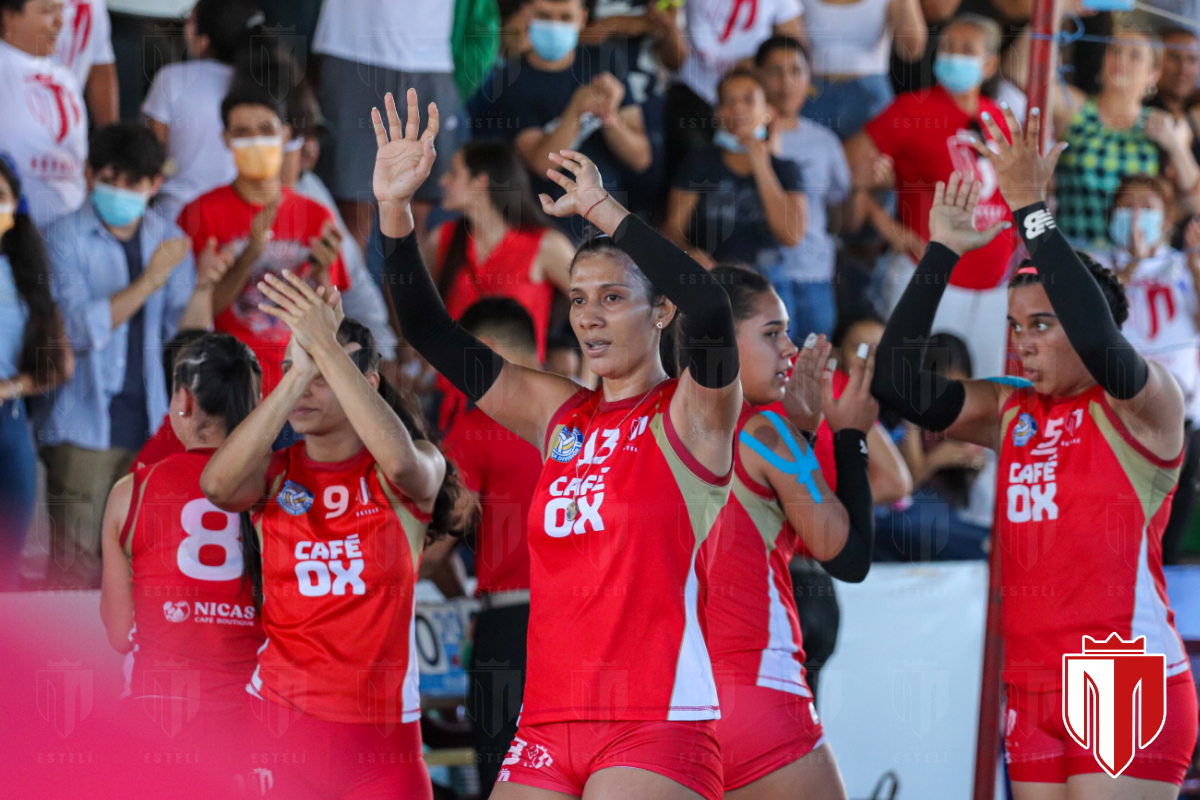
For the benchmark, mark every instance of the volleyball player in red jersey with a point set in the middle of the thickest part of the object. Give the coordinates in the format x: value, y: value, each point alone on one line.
x: 772, y: 743
x: 1090, y: 454
x: 175, y: 595
x: 634, y: 476
x: 342, y: 517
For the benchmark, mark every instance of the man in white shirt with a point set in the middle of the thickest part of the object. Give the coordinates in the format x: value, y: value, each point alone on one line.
x: 368, y: 49
x: 84, y: 46
x: 43, y: 122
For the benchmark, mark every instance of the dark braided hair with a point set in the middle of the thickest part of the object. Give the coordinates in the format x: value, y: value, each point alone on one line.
x: 1114, y: 292
x: 455, y: 508
x: 223, y: 374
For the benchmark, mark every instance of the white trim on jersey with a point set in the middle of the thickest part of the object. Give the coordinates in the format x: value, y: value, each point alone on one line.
x: 256, y: 680
x: 412, y: 678
x: 779, y: 668
x: 1150, y: 617
x: 694, y: 695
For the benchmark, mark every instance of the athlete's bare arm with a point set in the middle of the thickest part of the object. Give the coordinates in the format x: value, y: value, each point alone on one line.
x: 235, y: 478
x: 1155, y: 414
x: 416, y: 468
x: 522, y: 400
x: 116, y: 582
x: 890, y: 478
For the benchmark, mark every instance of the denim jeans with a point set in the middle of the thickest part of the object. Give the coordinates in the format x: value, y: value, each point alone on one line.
x: 846, y: 106
x: 810, y: 305
x: 18, y: 489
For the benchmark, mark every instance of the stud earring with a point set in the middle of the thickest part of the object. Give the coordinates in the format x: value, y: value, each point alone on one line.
x: 659, y: 325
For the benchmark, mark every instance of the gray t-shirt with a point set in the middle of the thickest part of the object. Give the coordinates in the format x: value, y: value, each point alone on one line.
x: 826, y: 177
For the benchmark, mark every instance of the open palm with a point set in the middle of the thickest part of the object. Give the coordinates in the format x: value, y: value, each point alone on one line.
x: 403, y: 163
x: 952, y: 217
x: 582, y: 193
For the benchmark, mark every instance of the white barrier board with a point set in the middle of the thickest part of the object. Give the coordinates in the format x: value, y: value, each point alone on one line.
x: 901, y: 691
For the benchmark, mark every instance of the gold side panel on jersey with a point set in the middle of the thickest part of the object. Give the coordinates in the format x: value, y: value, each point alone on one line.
x: 414, y: 528
x: 1005, y: 420
x: 135, y: 508
x: 703, y: 500
x: 766, y: 514
x: 1151, y: 483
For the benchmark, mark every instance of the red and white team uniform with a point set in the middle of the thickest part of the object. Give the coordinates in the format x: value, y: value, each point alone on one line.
x: 767, y: 715
x: 1081, y: 511
x: 341, y: 548
x: 617, y: 629
x: 195, y: 628
x: 85, y: 38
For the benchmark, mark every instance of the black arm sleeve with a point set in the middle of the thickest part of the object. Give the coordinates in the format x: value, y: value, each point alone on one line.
x: 901, y: 382
x: 1079, y: 304
x: 854, y: 490
x: 709, y: 346
x: 462, y: 359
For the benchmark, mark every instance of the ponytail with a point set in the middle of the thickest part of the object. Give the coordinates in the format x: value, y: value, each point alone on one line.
x: 222, y: 374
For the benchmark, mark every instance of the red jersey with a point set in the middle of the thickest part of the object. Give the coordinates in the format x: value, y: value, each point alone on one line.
x: 503, y: 469
x: 1081, y: 507
x: 341, y: 548
x: 163, y: 443
x: 616, y: 627
x: 222, y: 214
x: 195, y: 628
x: 754, y: 629
x: 504, y: 273
x: 926, y: 133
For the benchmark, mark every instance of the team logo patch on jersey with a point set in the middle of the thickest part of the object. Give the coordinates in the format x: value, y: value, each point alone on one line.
x: 177, y: 612
x: 1024, y: 430
x: 294, y: 498
x: 568, y: 444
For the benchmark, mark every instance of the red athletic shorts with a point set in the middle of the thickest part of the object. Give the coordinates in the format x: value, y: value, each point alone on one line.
x: 1039, y: 749
x: 298, y: 757
x: 762, y: 730
x: 561, y: 756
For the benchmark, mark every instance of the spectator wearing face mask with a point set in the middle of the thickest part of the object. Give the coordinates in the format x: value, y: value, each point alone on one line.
x: 43, y: 121
x: 125, y: 281
x: 558, y: 97
x: 733, y: 201
x: 1164, y: 313
x: 84, y: 46
x: 270, y: 227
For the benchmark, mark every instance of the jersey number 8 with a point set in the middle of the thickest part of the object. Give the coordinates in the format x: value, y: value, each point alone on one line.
x: 198, y: 520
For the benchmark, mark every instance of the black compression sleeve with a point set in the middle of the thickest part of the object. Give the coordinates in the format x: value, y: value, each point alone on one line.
x: 1079, y: 304
x: 901, y: 382
x: 709, y: 347
x: 854, y: 490
x: 462, y: 359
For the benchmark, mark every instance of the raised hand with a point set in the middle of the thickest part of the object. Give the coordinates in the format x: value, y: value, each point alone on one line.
x: 403, y: 160
x: 856, y: 408
x: 803, y: 398
x: 325, y: 247
x: 1021, y: 169
x: 263, y: 222
x: 582, y: 193
x: 952, y: 217
x: 312, y: 320
x: 166, y: 257
x: 212, y: 264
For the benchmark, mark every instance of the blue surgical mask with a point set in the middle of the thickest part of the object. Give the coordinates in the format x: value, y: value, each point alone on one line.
x: 552, y: 40
x: 729, y: 142
x: 118, y: 207
x: 959, y: 74
x: 1150, y: 222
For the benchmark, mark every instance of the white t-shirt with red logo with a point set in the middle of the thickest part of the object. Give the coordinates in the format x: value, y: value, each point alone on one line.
x: 85, y: 39
x: 43, y: 127
x: 723, y: 32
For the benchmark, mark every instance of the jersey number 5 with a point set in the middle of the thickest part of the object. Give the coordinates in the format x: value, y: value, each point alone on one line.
x: 211, y: 549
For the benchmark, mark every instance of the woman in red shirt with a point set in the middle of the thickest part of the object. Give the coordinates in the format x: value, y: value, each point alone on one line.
x: 342, y: 518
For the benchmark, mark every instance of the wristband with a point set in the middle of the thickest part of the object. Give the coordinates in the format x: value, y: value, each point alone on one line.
x: 598, y: 202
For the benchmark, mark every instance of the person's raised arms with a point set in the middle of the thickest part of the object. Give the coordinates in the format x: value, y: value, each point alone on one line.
x: 705, y: 407
x: 414, y: 467
x: 1143, y: 393
x: 522, y: 400
x: 967, y: 410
